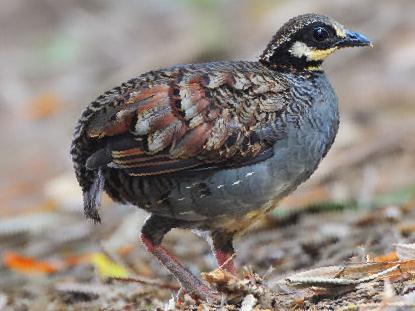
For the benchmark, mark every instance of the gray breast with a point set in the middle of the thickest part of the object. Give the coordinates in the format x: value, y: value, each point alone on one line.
x: 310, y: 126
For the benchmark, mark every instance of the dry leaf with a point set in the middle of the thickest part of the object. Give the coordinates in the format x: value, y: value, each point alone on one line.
x: 405, y: 251
x: 339, y: 276
x: 32, y: 223
x: 3, y: 301
x: 106, y: 267
x: 248, y: 303
x: 65, y: 191
x: 43, y: 106
x: 392, y: 256
x: 218, y: 276
x: 25, y: 264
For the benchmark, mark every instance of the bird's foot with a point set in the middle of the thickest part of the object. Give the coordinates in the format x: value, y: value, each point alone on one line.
x: 190, y: 283
x: 199, y: 292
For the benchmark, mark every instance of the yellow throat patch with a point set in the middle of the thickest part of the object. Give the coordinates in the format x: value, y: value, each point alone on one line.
x: 317, y: 55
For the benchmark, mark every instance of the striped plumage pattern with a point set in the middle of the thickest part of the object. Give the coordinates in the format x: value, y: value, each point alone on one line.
x: 180, y: 119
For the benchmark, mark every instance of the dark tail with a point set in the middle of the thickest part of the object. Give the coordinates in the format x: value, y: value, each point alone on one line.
x: 90, y: 180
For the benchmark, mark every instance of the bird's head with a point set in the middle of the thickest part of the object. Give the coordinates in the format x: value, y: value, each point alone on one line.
x: 306, y: 40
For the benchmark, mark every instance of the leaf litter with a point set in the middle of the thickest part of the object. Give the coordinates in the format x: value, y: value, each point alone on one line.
x: 355, y: 259
x: 352, y: 250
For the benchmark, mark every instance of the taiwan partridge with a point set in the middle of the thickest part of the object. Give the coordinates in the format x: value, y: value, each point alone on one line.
x: 213, y: 146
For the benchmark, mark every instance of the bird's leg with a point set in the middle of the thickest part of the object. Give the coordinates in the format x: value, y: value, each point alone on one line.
x: 152, y: 234
x: 224, y: 251
x: 225, y: 260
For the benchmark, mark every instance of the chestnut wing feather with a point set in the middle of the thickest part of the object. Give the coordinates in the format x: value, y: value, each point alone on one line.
x: 193, y: 120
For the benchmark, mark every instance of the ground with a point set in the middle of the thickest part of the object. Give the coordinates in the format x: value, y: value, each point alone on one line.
x: 342, y: 241
x: 321, y: 257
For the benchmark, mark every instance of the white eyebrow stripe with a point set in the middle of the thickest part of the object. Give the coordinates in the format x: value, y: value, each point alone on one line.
x: 340, y: 30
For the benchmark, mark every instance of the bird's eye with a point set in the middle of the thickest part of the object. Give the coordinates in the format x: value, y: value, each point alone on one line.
x: 320, y: 34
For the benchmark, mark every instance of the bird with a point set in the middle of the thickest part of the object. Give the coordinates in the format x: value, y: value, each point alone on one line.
x: 213, y: 147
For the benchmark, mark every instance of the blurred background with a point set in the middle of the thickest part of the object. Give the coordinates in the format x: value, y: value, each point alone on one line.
x: 57, y: 56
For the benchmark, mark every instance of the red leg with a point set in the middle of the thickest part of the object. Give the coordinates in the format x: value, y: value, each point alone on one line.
x: 188, y: 281
x: 222, y: 247
x: 225, y: 260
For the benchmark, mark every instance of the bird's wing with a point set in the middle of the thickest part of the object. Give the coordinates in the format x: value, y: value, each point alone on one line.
x: 192, y: 120
x: 179, y: 120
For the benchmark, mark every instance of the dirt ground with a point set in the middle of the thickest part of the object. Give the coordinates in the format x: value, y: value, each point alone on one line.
x: 342, y: 241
